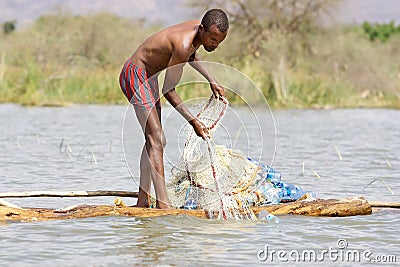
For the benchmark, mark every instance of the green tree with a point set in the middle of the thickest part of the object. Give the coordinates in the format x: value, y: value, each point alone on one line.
x: 382, y: 32
x: 261, y: 20
x: 9, y: 27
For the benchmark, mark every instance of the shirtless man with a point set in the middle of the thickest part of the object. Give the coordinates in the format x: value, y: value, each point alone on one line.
x: 170, y: 47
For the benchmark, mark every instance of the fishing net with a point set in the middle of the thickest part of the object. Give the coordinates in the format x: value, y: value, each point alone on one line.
x: 221, y: 180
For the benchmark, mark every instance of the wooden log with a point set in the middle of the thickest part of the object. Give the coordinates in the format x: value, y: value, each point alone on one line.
x: 320, y: 207
x: 88, y: 211
x: 97, y: 193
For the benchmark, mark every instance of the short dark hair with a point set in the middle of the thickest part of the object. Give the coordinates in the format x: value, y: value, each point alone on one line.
x: 215, y: 17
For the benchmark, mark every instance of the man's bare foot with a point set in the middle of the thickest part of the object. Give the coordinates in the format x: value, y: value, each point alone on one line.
x: 143, y: 199
x: 163, y: 205
x: 143, y: 203
x: 142, y: 206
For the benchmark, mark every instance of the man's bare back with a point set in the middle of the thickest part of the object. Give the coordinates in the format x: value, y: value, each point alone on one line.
x: 155, y: 52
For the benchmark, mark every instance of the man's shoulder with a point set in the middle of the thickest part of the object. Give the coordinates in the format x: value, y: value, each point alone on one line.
x: 183, y: 28
x: 181, y: 35
x: 187, y: 23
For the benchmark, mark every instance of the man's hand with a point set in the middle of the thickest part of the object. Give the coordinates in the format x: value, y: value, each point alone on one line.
x: 218, y: 90
x: 199, y: 128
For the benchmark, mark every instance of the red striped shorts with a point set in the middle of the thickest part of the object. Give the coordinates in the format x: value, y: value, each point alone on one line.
x: 141, y: 91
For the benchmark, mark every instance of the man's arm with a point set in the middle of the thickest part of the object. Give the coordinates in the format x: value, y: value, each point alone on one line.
x: 216, y: 88
x: 172, y: 76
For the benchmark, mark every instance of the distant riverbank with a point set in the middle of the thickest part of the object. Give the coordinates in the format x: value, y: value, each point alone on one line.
x: 64, y: 59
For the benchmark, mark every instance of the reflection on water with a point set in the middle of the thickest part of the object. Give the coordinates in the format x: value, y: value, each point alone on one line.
x: 79, y: 148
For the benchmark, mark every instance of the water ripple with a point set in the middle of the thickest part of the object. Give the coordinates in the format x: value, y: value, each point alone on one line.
x: 32, y: 158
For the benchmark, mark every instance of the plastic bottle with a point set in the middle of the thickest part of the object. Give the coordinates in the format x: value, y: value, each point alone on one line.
x: 273, y: 175
x: 274, y: 196
x: 266, y: 216
x: 282, y: 187
x: 294, y: 192
x: 270, y: 194
x: 267, y: 172
x: 190, y: 204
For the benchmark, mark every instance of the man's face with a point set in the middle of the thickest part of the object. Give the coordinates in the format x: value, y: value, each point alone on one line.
x: 212, y: 38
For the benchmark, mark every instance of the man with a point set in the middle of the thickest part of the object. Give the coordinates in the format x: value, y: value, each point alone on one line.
x: 168, y: 49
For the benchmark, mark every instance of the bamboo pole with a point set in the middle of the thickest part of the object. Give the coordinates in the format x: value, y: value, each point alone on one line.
x: 8, y: 204
x: 380, y: 204
x: 98, y: 193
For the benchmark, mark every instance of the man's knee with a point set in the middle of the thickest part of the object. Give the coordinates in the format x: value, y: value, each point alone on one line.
x: 155, y: 141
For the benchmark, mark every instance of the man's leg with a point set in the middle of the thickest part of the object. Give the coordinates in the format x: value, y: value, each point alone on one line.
x: 152, y: 164
x: 145, y: 180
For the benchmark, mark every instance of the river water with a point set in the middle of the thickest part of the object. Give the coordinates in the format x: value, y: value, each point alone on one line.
x: 335, y: 153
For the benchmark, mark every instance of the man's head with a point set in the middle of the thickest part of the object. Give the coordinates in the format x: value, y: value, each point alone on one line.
x: 213, y: 29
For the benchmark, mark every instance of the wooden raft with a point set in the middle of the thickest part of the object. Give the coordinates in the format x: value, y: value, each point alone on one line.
x: 319, y: 207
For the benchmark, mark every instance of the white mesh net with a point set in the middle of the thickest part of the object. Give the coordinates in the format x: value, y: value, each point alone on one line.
x: 212, y: 177
x: 224, y: 181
